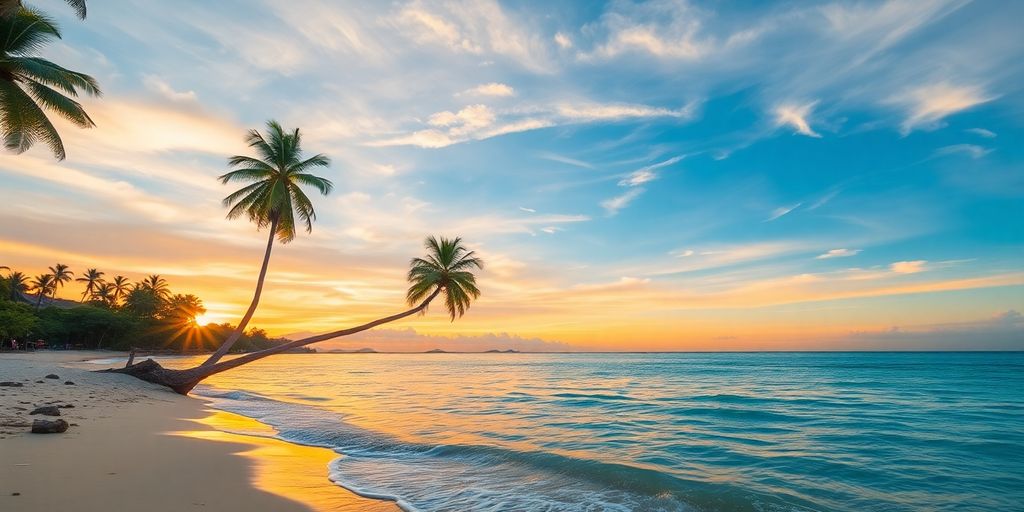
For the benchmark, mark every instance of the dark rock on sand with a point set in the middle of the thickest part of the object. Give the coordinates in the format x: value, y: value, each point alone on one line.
x: 9, y: 384
x: 39, y: 382
x: 53, y: 376
x: 46, y: 410
x: 69, y: 383
x: 67, y: 406
x: 49, y: 427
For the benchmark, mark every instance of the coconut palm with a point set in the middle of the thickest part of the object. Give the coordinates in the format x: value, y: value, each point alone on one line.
x: 19, y: 284
x: 92, y: 279
x: 447, y: 269
x: 157, y: 285
x: 43, y: 286
x: 11, y: 7
x: 61, y: 275
x: 121, y: 287
x: 272, y: 199
x: 103, y: 293
x: 29, y: 84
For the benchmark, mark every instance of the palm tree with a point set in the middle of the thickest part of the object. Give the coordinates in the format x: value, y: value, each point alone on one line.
x: 157, y: 285
x: 92, y: 280
x: 272, y: 199
x: 447, y: 269
x: 28, y: 84
x: 61, y: 275
x: 19, y: 284
x: 104, y: 293
x: 43, y: 285
x: 11, y: 7
x: 121, y: 287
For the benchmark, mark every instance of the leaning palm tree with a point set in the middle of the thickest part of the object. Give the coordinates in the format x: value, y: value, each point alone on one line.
x: 43, y: 285
x: 446, y: 270
x: 61, y: 275
x: 11, y: 7
x: 28, y: 84
x: 272, y: 199
x: 92, y: 279
x: 121, y: 287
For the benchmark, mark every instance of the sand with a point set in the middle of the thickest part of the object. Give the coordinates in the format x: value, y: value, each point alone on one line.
x: 135, y: 446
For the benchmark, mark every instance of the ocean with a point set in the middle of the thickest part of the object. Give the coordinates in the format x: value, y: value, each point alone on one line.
x: 653, y: 432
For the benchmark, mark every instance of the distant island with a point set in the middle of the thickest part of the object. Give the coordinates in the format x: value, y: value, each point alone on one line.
x: 506, y: 351
x: 364, y: 350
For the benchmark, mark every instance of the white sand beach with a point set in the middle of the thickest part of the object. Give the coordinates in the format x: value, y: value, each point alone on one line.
x: 135, y: 446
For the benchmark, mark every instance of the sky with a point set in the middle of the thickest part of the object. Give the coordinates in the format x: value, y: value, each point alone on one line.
x: 665, y: 175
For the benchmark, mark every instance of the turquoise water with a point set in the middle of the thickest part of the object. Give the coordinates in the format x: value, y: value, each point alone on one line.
x: 652, y: 432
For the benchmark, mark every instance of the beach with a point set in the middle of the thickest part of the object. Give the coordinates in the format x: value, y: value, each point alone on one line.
x: 135, y: 446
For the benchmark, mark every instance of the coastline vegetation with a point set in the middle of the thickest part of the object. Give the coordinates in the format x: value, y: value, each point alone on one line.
x: 115, y: 315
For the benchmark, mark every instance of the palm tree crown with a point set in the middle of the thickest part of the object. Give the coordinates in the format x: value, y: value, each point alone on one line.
x: 448, y: 268
x: 157, y: 285
x: 92, y: 279
x: 121, y: 286
x: 61, y: 275
x: 11, y: 7
x: 19, y: 284
x: 274, y: 195
x: 28, y: 84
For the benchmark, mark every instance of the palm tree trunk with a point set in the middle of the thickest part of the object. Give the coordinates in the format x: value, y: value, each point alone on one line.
x: 237, y: 333
x: 182, y: 381
x: 39, y: 299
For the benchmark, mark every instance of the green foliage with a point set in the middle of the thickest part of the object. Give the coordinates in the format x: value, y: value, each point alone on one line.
x: 274, y: 193
x: 16, y: 320
x: 448, y: 266
x: 30, y: 84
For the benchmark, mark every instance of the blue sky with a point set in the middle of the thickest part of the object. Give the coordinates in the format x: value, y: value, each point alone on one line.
x: 657, y: 175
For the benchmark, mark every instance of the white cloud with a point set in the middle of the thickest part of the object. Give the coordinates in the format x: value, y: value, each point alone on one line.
x: 782, y: 211
x: 908, y: 267
x: 981, y: 132
x: 646, y: 174
x: 527, y: 210
x: 565, y: 160
x: 796, y: 116
x: 158, y: 85
x: 838, y: 253
x: 489, y: 89
x: 972, y: 150
x: 478, y: 122
x: 563, y: 41
x: 550, y: 229
x: 613, y: 205
x: 927, y: 105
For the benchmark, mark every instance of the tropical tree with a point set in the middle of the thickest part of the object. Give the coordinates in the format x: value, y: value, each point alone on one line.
x: 121, y: 287
x: 18, y: 283
x: 43, y: 285
x: 29, y: 84
x: 157, y: 285
x: 92, y: 279
x: 104, y: 293
x: 447, y: 269
x: 272, y: 199
x: 61, y: 275
x: 11, y: 7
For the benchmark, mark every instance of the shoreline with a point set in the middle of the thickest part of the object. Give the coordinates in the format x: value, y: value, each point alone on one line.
x: 134, y: 445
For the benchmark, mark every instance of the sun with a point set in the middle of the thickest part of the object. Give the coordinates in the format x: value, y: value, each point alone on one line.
x: 202, y: 320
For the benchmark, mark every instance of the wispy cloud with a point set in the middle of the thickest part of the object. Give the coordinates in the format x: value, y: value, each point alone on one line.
x: 972, y: 150
x: 489, y: 89
x: 981, y: 132
x: 908, y: 267
x: 613, y: 205
x: 782, y: 211
x: 796, y: 117
x: 565, y: 160
x: 838, y: 253
x: 928, y: 105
